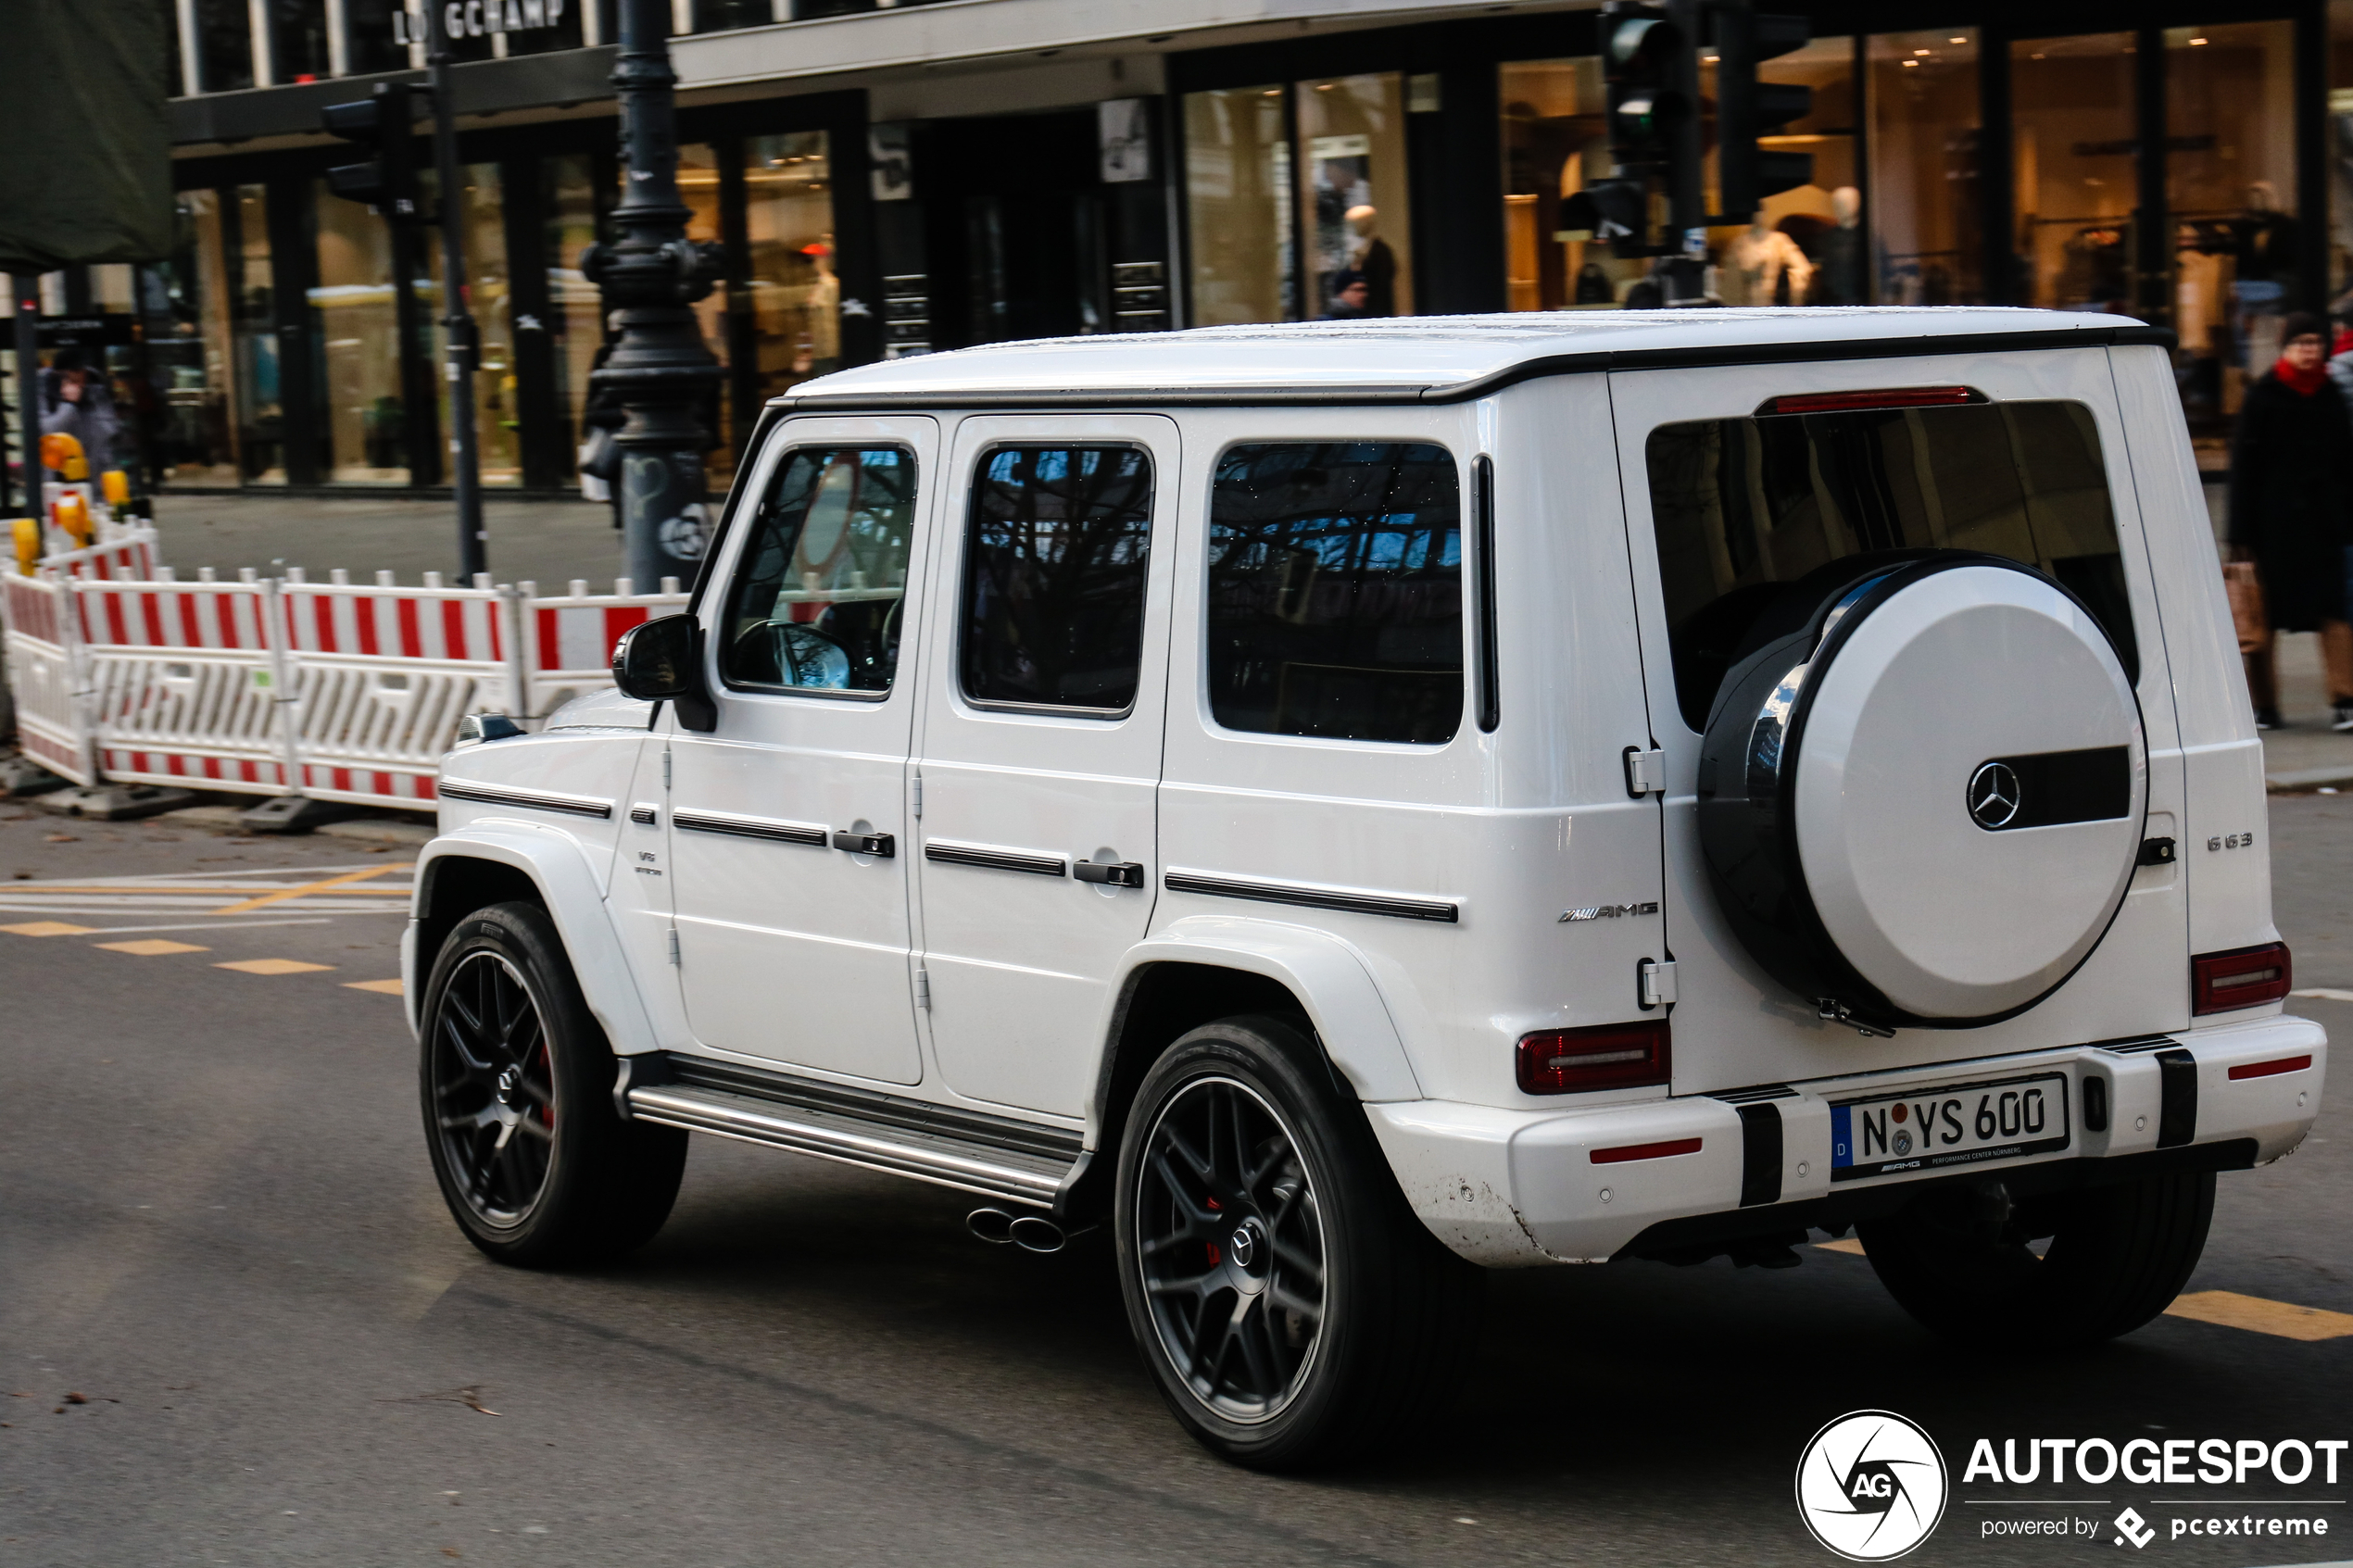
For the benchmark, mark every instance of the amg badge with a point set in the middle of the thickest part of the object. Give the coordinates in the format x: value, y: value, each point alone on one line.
x: 1608, y: 911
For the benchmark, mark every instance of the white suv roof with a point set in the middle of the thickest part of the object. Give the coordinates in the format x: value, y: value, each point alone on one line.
x: 1429, y: 359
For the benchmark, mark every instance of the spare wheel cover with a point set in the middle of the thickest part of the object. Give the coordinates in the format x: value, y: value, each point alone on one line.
x: 1969, y: 784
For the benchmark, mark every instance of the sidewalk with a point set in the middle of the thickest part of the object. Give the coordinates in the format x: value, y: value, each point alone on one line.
x: 2306, y: 754
x: 548, y: 542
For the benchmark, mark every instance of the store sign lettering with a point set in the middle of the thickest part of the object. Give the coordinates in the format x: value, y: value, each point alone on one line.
x: 474, y: 18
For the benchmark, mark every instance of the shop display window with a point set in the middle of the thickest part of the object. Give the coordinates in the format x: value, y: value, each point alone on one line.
x: 191, y: 438
x: 2231, y: 199
x: 1353, y: 196
x: 795, y: 303
x: 1238, y: 191
x: 489, y: 289
x: 2073, y: 137
x: 1927, y: 233
x: 575, y: 309
x: 253, y: 324
x: 1555, y: 138
x: 355, y: 319
x: 1802, y: 246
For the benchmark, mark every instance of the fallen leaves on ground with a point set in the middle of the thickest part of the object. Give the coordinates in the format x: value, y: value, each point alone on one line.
x: 470, y: 1397
x: 61, y: 838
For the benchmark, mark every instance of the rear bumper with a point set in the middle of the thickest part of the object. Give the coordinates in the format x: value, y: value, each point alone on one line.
x: 1507, y: 1187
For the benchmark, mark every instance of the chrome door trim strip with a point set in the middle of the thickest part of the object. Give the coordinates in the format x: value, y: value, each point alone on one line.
x: 947, y: 853
x: 530, y: 799
x: 1393, y: 905
x: 768, y: 828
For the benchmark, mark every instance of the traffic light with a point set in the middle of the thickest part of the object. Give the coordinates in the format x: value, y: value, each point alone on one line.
x: 1641, y: 63
x: 1747, y: 108
x: 381, y: 123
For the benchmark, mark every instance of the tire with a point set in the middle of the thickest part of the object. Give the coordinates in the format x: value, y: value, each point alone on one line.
x: 2117, y: 1257
x: 1245, y: 1164
x: 515, y: 1080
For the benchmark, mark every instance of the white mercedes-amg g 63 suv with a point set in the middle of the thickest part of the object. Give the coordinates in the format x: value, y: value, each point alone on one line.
x: 1343, y: 807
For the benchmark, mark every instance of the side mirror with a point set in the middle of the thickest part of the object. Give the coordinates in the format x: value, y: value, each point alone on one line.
x: 661, y: 660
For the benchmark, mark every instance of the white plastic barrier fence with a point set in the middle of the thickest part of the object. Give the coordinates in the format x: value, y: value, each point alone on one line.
x: 336, y: 690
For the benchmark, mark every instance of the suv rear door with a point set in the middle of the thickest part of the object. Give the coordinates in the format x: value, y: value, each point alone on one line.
x: 1849, y: 487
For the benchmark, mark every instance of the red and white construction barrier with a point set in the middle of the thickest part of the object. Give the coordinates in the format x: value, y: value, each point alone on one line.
x: 336, y: 690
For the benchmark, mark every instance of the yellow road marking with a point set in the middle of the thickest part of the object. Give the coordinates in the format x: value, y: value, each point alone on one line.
x: 346, y: 880
x: 154, y: 948
x: 273, y: 966
x: 49, y: 928
x: 389, y: 988
x: 1843, y: 1243
x: 2254, y: 1314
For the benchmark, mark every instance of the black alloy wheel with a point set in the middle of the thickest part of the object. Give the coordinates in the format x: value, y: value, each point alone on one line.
x: 516, y: 1078
x: 1290, y: 1306
x: 1230, y: 1242
x: 493, y: 1083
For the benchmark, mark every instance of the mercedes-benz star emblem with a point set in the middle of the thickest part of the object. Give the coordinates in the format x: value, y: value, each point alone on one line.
x: 1992, y: 795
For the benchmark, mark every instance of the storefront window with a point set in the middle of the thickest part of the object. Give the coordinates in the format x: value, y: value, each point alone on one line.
x: 1802, y: 245
x: 2074, y: 177
x: 253, y: 322
x: 224, y: 45
x: 297, y: 40
x: 1352, y: 191
x: 498, y: 422
x: 189, y: 437
x: 1556, y: 143
x: 1925, y: 188
x: 2229, y: 194
x: 356, y: 316
x: 575, y: 309
x: 795, y: 294
x: 699, y: 189
x: 1238, y: 193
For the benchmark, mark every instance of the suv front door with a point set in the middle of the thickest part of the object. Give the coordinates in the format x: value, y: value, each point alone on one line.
x: 1039, y: 753
x: 786, y: 822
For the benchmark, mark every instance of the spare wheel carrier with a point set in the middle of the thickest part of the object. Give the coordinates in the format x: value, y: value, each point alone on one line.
x: 1923, y: 807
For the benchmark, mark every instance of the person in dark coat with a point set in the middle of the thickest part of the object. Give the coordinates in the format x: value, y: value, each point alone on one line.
x: 2292, y: 510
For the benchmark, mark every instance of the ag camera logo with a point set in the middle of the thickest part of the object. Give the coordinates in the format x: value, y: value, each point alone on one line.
x: 1871, y: 1486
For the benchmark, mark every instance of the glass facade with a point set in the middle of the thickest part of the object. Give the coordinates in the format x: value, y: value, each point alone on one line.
x: 792, y: 291
x: 1927, y: 192
x: 1802, y: 245
x: 356, y: 322
x: 257, y: 369
x: 1238, y: 193
x: 575, y: 312
x: 2074, y: 177
x: 1352, y: 197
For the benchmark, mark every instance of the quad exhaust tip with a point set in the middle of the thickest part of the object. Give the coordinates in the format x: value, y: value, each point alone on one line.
x: 1032, y: 1232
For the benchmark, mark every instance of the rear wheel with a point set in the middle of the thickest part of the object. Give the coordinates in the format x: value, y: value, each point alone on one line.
x: 1961, y: 1261
x: 1291, y: 1307
x: 516, y: 1079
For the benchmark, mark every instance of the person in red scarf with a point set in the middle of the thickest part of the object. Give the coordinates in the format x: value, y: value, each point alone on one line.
x: 2292, y: 510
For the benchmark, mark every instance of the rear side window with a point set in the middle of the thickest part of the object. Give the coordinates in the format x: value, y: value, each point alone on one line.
x: 1741, y: 505
x: 1054, y: 565
x: 817, y: 600
x: 1336, y: 591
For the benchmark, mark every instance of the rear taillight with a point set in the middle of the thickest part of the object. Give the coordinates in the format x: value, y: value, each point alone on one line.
x: 2244, y: 977
x: 1883, y: 397
x: 1614, y: 1056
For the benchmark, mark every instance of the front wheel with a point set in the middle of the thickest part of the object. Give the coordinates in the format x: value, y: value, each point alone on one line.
x: 1960, y: 1260
x: 1291, y: 1307
x: 516, y: 1077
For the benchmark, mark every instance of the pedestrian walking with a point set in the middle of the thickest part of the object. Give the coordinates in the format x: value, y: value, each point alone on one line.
x: 75, y: 401
x: 2291, y: 511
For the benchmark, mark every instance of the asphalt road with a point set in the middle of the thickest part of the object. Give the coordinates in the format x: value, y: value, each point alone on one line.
x: 218, y: 1229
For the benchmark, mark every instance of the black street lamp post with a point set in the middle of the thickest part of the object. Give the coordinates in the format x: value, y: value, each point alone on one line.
x: 659, y: 371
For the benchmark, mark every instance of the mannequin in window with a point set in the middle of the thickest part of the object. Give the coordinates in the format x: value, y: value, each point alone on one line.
x: 1757, y: 262
x: 1842, y: 270
x: 1369, y: 255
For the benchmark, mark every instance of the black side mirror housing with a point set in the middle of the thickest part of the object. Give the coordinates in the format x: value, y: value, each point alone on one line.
x: 660, y: 660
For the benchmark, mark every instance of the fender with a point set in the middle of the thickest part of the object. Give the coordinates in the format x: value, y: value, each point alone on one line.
x: 1321, y: 970
x: 568, y: 886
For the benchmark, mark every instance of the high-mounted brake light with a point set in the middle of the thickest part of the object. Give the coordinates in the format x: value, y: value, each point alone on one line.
x: 1614, y: 1056
x: 1882, y: 398
x: 2244, y: 977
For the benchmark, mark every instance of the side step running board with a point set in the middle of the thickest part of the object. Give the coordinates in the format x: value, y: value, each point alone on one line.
x: 1012, y: 1161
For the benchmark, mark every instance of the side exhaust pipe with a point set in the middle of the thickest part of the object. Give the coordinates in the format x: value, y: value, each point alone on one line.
x: 1031, y: 1232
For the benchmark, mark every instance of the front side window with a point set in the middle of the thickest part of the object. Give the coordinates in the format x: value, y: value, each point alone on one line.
x: 1742, y: 506
x: 1336, y: 591
x: 1054, y: 563
x: 819, y: 595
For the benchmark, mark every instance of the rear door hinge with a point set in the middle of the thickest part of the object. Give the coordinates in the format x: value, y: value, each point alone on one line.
x: 923, y: 988
x: 665, y: 767
x: 916, y: 796
x: 673, y: 946
x: 1645, y: 772
x: 1655, y: 983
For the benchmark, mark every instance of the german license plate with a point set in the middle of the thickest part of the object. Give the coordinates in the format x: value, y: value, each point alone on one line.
x: 1956, y: 1125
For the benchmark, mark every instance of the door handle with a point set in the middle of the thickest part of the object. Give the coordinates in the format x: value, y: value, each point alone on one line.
x: 1122, y: 873
x: 879, y: 845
